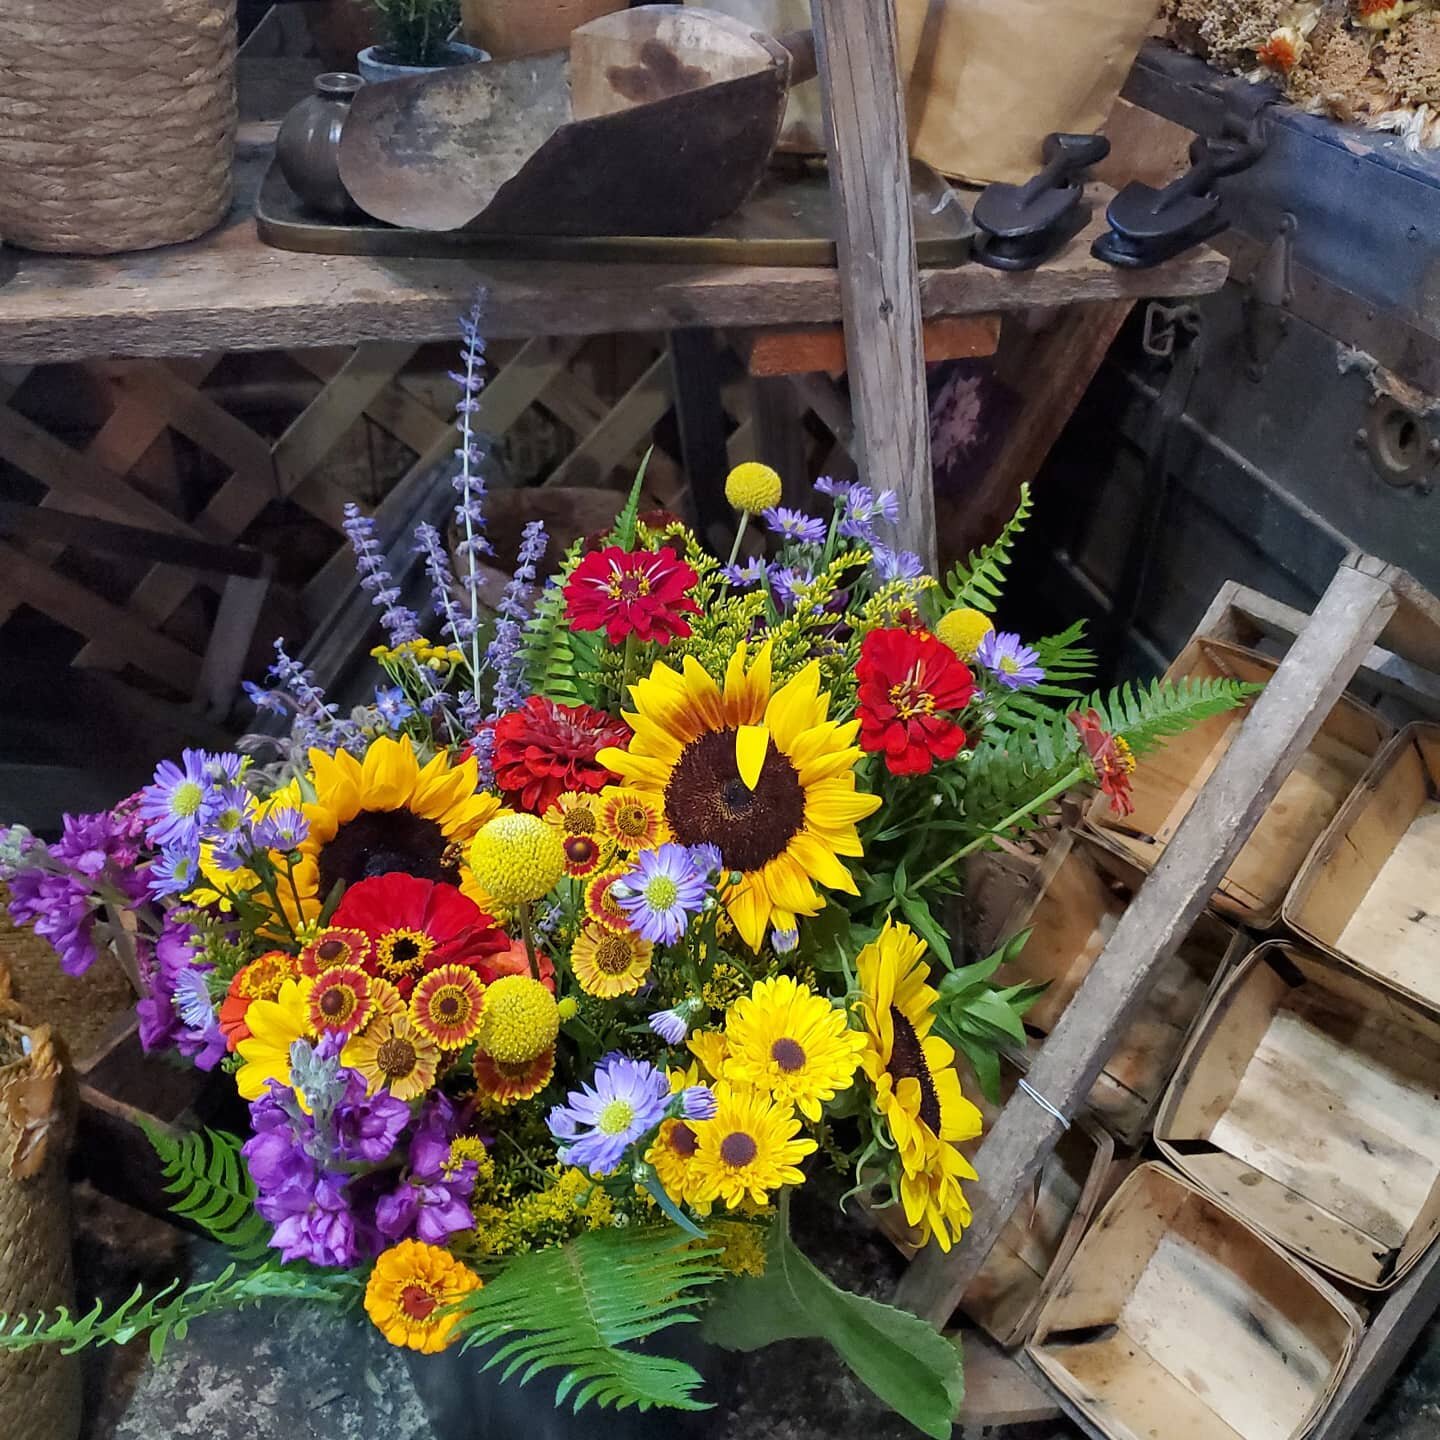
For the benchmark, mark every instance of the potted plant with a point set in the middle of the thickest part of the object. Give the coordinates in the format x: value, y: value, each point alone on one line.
x: 415, y: 38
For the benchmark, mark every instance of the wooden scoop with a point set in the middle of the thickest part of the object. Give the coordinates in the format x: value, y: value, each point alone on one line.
x: 660, y: 121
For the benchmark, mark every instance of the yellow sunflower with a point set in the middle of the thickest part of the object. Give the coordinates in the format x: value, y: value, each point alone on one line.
x: 749, y: 1148
x: 711, y: 1049
x: 917, y: 1089
x: 275, y: 1025
x: 792, y: 1044
x: 412, y: 1293
x: 388, y: 812
x: 608, y: 963
x: 392, y: 1052
x: 766, y: 778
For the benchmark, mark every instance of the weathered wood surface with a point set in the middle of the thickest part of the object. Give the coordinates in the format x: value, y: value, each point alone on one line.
x: 229, y: 291
x: 858, y: 49
x: 1351, y: 614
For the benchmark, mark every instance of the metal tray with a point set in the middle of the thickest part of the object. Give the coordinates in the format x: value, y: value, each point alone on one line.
x: 787, y: 221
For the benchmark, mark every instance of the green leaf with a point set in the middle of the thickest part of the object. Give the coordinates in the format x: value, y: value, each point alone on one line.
x: 575, y: 1308
x: 984, y: 1060
x: 912, y: 1368
x: 206, y: 1174
x: 917, y: 912
x: 622, y: 533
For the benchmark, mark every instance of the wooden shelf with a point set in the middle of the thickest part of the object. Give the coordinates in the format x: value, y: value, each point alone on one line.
x: 229, y: 291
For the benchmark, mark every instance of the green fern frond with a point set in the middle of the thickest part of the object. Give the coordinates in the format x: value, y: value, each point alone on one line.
x: 561, y: 663
x: 206, y: 1174
x: 975, y: 583
x: 575, y: 1308
x: 1065, y: 658
x: 168, y: 1313
x: 1144, y: 715
x: 622, y: 533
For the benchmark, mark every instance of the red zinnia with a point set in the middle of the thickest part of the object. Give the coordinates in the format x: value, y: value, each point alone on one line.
x: 1111, y: 758
x: 625, y: 593
x: 416, y: 926
x: 544, y: 749
x: 908, y: 681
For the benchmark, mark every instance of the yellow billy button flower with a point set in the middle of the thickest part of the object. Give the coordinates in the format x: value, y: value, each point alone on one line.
x: 412, y: 1292
x: 753, y: 487
x: 964, y: 631
x: 520, y: 1020
x: 517, y: 858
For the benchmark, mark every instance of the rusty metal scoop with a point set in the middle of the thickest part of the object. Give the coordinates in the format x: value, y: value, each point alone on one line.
x: 660, y: 121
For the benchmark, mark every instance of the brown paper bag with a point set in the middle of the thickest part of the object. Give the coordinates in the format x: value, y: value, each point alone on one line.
x: 987, y: 80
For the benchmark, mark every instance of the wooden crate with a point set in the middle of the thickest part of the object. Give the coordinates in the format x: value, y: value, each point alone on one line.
x: 1073, y: 905
x: 1370, y: 891
x: 1168, y: 782
x: 1176, y: 1320
x: 1042, y: 1233
x: 1306, y: 1102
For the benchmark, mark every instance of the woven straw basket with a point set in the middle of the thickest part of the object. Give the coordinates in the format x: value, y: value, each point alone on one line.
x: 40, y: 1389
x: 117, y: 121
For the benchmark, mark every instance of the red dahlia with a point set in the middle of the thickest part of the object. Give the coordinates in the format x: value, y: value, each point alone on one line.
x: 415, y: 926
x: 910, y: 683
x: 544, y: 749
x: 624, y: 593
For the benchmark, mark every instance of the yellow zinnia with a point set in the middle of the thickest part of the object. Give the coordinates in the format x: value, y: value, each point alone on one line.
x: 412, y: 1293
x: 275, y: 1025
x: 749, y: 1147
x: 917, y: 1090
x: 388, y: 812
x: 766, y: 778
x: 791, y: 1043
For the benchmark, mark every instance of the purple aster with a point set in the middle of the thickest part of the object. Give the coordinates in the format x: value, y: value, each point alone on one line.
x: 896, y: 564
x: 599, y: 1122
x: 1014, y: 664
x: 672, y: 1026
x: 707, y: 857
x: 174, y: 872
x: 432, y: 1202
x: 234, y: 811
x: 661, y: 893
x: 784, y: 941
x: 697, y: 1102
x: 828, y: 485
x: 170, y: 975
x: 794, y: 525
x: 180, y: 801
x: 392, y: 706
x: 282, y: 829
x: 752, y: 572
x: 785, y: 583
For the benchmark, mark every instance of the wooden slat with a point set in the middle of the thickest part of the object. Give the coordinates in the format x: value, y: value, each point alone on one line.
x: 632, y: 417
x: 1286, y: 717
x: 858, y: 50
x: 821, y: 348
x: 394, y: 409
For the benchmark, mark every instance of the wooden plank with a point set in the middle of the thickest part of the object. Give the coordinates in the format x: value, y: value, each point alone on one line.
x: 997, y: 1390
x: 778, y: 421
x: 1286, y: 717
x: 813, y: 348
x: 695, y: 365
x: 858, y: 50
x: 230, y: 291
x: 394, y: 408
x: 628, y: 421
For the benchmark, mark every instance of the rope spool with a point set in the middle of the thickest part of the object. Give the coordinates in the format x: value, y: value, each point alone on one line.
x: 117, y: 122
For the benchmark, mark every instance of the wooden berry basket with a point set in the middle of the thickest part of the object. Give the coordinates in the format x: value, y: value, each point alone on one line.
x: 1074, y: 902
x: 1306, y: 1102
x: 1176, y: 1319
x: 1167, y: 783
x: 1370, y: 891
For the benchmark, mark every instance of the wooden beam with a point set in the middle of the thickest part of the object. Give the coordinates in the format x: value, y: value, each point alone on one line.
x: 811, y: 348
x: 875, y: 233
x: 1286, y: 717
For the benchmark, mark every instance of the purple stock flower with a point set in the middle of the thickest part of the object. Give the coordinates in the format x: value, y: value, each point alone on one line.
x: 1013, y: 663
x: 598, y: 1123
x: 368, y: 1127
x: 179, y: 801
x: 896, y: 564
x: 794, y: 525
x: 660, y: 894
x: 370, y: 564
x: 431, y: 1203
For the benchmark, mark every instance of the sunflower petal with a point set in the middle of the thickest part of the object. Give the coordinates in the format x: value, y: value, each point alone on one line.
x: 752, y: 744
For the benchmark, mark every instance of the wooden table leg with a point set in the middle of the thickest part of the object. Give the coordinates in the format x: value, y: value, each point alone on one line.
x: 695, y: 356
x: 879, y: 286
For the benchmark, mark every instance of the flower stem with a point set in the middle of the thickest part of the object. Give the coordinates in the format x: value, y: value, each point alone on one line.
x: 739, y: 536
x: 1072, y: 777
x: 529, y: 935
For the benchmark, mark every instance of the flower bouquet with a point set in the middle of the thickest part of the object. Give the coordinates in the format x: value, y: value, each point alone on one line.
x: 617, y: 916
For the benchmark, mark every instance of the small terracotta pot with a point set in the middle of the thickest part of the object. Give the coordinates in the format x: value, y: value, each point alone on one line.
x: 507, y: 28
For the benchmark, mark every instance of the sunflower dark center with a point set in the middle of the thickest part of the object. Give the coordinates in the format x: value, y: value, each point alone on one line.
x: 380, y: 842
x: 907, y: 1062
x: 682, y: 1140
x: 738, y: 1149
x: 788, y: 1054
x: 706, y: 801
